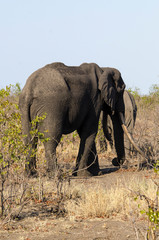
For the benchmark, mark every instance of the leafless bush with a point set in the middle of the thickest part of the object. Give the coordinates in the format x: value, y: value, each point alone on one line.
x: 146, y: 133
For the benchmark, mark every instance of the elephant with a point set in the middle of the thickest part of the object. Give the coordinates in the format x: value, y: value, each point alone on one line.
x: 130, y: 118
x: 72, y: 98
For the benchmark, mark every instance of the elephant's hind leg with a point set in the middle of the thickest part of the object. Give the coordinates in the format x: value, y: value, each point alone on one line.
x: 52, y: 129
x: 50, y: 153
x: 30, y: 166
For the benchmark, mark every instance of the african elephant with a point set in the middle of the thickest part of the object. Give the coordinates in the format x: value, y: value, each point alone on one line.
x: 72, y: 98
x: 130, y: 118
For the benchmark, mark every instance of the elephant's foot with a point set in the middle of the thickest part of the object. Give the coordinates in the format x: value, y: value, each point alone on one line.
x: 117, y: 163
x: 95, y: 170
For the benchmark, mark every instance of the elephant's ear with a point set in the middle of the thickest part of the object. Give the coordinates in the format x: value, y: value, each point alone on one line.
x: 111, y: 84
x: 119, y: 83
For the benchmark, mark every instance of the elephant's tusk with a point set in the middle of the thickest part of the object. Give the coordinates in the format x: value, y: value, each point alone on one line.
x: 131, y: 140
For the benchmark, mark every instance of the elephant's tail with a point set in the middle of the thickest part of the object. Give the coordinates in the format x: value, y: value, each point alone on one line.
x: 24, y: 106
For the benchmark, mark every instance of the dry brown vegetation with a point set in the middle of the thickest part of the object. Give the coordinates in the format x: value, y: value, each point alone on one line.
x: 113, y: 206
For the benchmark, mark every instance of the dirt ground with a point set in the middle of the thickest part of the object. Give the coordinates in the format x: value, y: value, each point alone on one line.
x: 41, y: 223
x: 61, y: 229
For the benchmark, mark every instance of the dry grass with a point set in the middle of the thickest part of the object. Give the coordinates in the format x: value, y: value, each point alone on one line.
x: 97, y: 201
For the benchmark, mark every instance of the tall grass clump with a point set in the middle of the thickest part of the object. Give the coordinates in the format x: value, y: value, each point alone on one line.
x: 119, y: 200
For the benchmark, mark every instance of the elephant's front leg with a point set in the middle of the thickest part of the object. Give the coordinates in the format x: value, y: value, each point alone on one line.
x: 119, y: 141
x: 87, y: 160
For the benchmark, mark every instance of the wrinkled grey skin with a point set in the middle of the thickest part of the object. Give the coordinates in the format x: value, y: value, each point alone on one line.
x: 130, y: 118
x: 73, y: 98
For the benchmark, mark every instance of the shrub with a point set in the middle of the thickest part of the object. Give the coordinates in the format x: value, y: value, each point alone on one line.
x: 12, y: 149
x: 13, y: 152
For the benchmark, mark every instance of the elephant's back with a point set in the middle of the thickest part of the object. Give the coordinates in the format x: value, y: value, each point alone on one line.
x: 44, y: 81
x: 66, y: 71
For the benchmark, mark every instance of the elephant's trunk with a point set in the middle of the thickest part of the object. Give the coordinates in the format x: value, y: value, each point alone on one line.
x: 128, y: 134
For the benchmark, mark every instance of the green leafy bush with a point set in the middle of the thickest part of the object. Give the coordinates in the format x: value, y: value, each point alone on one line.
x: 12, y: 149
x: 13, y: 152
x: 11, y: 144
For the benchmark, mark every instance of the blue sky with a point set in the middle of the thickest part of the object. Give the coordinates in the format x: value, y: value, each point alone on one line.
x: 117, y: 33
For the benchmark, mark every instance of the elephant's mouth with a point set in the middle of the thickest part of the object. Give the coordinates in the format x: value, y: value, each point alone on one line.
x: 128, y: 134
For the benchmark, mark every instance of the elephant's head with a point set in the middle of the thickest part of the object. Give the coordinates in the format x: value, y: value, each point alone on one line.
x: 112, y: 87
